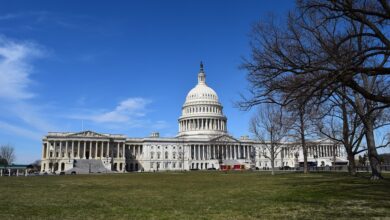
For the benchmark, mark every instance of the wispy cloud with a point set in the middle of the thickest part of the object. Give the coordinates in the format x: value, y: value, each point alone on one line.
x: 20, y: 131
x: 16, y: 96
x: 10, y: 16
x: 126, y: 111
x: 15, y: 69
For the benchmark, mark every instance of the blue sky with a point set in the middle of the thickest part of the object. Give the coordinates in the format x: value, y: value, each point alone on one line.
x: 120, y: 66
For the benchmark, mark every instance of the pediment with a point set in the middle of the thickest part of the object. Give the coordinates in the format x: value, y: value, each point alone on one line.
x: 88, y: 134
x: 225, y: 139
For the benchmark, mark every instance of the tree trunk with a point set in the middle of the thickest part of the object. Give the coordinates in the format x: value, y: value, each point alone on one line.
x: 372, y: 152
x: 272, y: 167
x: 303, y: 141
x: 351, y: 162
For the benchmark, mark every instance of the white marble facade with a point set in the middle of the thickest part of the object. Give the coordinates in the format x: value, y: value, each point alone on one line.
x: 202, y: 143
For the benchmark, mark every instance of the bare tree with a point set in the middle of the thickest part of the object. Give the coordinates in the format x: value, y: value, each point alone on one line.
x: 269, y: 128
x: 324, y: 46
x: 342, y: 125
x: 301, y: 122
x: 7, y: 152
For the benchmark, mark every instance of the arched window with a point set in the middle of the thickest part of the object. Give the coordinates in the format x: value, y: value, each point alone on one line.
x: 174, y: 155
x: 166, y: 154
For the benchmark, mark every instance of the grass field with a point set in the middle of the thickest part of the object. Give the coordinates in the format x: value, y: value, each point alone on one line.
x: 194, y: 195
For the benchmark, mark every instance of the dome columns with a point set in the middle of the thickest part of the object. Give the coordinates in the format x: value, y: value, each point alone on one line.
x: 202, y: 124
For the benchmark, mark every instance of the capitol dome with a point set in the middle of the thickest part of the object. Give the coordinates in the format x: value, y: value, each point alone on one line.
x: 201, y: 92
x: 202, y: 111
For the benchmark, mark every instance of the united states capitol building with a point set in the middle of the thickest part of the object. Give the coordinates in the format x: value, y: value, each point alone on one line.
x: 202, y: 143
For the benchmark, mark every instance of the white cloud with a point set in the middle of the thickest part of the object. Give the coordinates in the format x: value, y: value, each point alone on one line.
x: 127, y: 111
x: 15, y: 69
x: 16, y: 103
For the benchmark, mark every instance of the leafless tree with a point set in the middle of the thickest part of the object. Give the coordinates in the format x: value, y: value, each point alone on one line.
x: 7, y: 152
x: 372, y: 17
x: 301, y: 120
x: 342, y: 125
x: 325, y: 45
x: 269, y: 127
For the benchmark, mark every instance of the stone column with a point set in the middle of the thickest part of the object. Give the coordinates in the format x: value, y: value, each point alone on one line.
x: 204, y: 152
x: 123, y: 150
x: 60, y: 154
x: 117, y: 151
x: 96, y: 148
x: 66, y: 149
x: 84, y: 149
x: 72, y: 154
x: 200, y: 152
x: 78, y: 149
x: 90, y: 150
x: 197, y: 152
x: 101, y: 149
x: 47, y: 149
x: 108, y: 149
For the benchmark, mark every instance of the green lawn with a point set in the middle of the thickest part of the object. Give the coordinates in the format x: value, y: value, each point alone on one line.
x: 194, y: 195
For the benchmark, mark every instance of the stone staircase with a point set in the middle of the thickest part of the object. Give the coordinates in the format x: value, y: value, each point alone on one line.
x: 83, y: 166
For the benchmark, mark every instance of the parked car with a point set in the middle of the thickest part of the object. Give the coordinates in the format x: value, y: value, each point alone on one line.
x: 62, y: 173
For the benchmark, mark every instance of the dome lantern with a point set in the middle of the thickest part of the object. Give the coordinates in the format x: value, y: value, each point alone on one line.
x: 201, y: 75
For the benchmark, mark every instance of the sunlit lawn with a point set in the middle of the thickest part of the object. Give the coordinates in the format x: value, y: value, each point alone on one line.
x: 194, y: 195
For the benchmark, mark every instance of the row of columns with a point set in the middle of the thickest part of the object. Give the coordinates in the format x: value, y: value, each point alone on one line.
x: 319, y: 150
x: 202, y: 109
x: 135, y: 150
x: 230, y: 152
x: 202, y: 124
x: 324, y: 150
x: 79, y: 149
